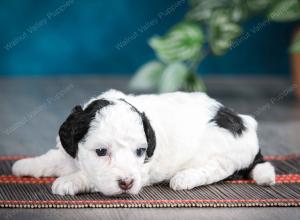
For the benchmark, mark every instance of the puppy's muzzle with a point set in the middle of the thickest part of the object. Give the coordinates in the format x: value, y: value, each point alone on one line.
x: 125, y: 184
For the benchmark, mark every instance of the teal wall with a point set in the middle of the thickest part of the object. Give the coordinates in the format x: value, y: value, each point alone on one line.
x: 77, y: 36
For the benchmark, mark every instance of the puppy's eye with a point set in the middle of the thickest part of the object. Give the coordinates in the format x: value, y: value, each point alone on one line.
x: 101, y: 152
x: 140, y: 151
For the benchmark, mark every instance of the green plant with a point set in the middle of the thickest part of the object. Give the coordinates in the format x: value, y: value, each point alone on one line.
x: 210, y: 26
x: 295, y: 47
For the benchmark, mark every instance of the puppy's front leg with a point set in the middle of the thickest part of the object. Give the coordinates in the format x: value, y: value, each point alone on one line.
x: 145, y: 175
x: 72, y: 184
x: 53, y: 163
x: 215, y: 170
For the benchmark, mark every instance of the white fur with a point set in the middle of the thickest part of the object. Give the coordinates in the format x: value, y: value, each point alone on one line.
x: 190, y: 150
x: 264, y: 174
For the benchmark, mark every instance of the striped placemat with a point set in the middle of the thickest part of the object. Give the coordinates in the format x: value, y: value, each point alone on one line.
x: 28, y: 192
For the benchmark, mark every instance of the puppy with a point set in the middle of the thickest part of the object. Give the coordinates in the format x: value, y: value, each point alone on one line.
x: 119, y: 143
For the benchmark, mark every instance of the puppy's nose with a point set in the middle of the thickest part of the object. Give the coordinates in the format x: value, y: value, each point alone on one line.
x: 126, y: 184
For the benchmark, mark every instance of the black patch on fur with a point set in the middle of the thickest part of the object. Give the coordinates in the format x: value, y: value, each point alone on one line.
x: 244, y: 173
x: 150, y: 135
x: 228, y: 119
x: 149, y: 132
x: 77, y: 124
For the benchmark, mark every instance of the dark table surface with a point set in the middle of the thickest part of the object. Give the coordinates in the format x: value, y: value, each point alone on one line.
x: 33, y: 108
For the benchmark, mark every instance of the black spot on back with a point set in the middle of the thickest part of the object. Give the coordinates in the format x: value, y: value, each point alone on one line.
x: 228, y: 119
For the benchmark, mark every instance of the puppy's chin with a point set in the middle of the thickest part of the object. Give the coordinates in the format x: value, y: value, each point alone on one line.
x: 115, y: 190
x: 120, y: 192
x: 134, y: 190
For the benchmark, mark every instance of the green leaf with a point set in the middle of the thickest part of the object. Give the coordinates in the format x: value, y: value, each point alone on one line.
x: 147, y: 77
x: 202, y: 10
x: 258, y: 5
x: 222, y: 32
x: 287, y: 10
x: 295, y: 47
x: 174, y: 77
x: 182, y: 43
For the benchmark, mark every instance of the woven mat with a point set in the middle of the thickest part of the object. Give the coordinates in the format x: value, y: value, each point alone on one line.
x: 26, y: 192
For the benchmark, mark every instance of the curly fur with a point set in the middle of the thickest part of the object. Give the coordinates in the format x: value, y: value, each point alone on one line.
x: 189, y: 140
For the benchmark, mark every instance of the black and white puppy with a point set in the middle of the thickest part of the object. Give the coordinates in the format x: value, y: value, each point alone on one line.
x: 119, y: 143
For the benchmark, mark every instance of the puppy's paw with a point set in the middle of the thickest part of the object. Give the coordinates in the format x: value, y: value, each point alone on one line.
x: 264, y: 174
x: 69, y: 185
x: 26, y: 167
x: 186, y: 179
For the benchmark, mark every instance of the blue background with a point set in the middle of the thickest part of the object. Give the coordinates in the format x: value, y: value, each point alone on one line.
x: 83, y: 39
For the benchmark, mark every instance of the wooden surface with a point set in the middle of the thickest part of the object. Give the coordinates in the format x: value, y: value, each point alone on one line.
x: 33, y: 108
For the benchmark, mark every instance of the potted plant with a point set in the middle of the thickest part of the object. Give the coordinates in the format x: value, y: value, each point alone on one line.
x: 209, y: 27
x: 295, y: 61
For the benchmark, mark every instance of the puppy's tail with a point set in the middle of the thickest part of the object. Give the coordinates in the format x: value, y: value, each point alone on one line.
x: 263, y: 172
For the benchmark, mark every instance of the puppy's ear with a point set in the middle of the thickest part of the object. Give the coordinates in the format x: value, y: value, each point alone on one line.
x: 77, y: 125
x: 70, y: 131
x: 150, y: 135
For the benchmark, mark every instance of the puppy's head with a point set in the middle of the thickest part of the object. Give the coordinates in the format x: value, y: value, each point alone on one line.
x: 111, y: 141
